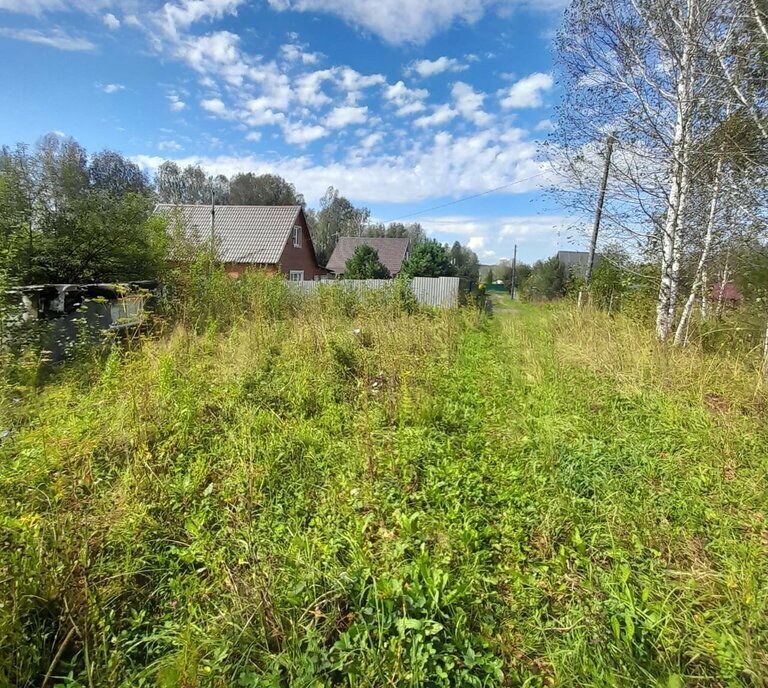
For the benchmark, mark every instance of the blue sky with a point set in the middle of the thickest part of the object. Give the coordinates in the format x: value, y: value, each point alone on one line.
x: 403, y: 105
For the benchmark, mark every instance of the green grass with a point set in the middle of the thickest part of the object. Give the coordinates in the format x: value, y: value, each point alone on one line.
x: 543, y: 498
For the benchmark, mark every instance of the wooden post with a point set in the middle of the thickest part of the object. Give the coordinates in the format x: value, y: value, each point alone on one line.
x: 598, y: 217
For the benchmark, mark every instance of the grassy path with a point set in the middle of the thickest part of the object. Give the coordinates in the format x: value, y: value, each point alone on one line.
x: 532, y: 499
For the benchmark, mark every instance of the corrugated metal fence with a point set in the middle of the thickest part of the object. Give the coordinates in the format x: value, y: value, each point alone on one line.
x: 442, y: 292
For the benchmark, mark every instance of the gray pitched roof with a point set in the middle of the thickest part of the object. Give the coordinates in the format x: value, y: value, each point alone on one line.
x: 391, y: 252
x: 244, y: 233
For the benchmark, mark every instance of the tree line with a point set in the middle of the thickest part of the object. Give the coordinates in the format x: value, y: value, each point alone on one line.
x: 67, y: 216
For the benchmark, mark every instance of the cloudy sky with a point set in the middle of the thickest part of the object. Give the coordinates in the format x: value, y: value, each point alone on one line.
x: 405, y: 106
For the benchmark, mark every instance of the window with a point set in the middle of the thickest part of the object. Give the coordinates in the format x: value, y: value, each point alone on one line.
x: 297, y: 236
x: 296, y: 276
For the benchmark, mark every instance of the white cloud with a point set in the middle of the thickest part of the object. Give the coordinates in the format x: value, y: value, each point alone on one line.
x: 488, y: 254
x: 476, y: 242
x: 300, y: 134
x: 173, y: 17
x: 215, y: 106
x: 110, y: 88
x: 528, y: 91
x: 56, y: 38
x: 446, y: 166
x: 425, y: 68
x: 111, y: 21
x: 253, y: 136
x: 293, y: 52
x: 441, y: 115
x: 371, y: 140
x: 177, y: 104
x: 407, y: 100
x: 341, y: 117
x: 309, y: 88
x: 133, y: 21
x: 544, y: 125
x: 469, y: 103
x: 169, y: 146
x: 397, y: 21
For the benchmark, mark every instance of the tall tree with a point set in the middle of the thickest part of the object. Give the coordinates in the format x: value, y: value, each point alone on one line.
x: 644, y: 71
x: 264, y: 189
x: 337, y: 217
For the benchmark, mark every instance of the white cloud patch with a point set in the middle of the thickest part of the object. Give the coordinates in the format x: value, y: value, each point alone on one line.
x: 169, y: 146
x: 469, y: 103
x: 55, y: 38
x: 215, y: 106
x: 177, y: 104
x: 440, y: 115
x: 300, y: 134
x: 341, y: 117
x: 253, y: 136
x: 476, y: 242
x: 111, y: 21
x: 296, y: 53
x: 399, y: 21
x: 110, y: 88
x: 407, y: 100
x: 528, y: 92
x: 426, y: 68
x: 446, y: 166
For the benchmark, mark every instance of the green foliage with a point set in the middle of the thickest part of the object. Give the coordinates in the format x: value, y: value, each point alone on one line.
x: 429, y: 259
x: 67, y: 218
x: 547, y: 280
x: 364, y: 263
x: 465, y: 262
x: 489, y: 276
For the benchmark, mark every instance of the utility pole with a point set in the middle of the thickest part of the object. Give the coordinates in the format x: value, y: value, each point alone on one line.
x: 213, y: 226
x: 514, y: 272
x: 598, y: 217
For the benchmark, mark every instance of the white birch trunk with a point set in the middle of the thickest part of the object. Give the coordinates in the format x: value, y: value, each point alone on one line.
x: 704, y: 295
x: 764, y: 367
x: 681, y: 333
x: 726, y: 275
x: 671, y: 241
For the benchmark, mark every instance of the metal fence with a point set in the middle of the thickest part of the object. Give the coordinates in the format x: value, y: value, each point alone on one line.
x: 440, y: 292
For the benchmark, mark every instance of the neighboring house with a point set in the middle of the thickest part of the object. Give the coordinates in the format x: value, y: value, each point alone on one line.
x: 576, y: 262
x: 392, y: 252
x: 272, y: 237
x: 731, y: 295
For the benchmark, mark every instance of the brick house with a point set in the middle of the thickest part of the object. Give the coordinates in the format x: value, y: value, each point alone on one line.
x: 275, y: 238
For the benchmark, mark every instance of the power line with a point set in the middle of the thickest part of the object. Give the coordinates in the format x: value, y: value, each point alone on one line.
x: 466, y: 198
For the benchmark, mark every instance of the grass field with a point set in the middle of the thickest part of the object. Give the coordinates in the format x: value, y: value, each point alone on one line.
x: 540, y: 498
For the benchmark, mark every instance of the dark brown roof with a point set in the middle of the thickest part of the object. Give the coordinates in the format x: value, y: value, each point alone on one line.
x: 392, y: 252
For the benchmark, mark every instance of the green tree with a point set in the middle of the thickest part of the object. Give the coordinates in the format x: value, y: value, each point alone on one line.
x: 489, y: 277
x: 547, y: 280
x: 429, y: 259
x: 263, y: 189
x: 465, y: 262
x: 337, y: 217
x: 365, y: 264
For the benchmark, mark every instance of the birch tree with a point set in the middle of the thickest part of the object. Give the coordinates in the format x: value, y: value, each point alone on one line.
x: 641, y: 69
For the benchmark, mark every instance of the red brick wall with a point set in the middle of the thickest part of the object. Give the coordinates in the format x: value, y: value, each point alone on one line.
x: 236, y: 269
x: 302, y: 258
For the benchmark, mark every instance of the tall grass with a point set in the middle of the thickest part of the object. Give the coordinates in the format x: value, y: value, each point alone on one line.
x: 337, y: 492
